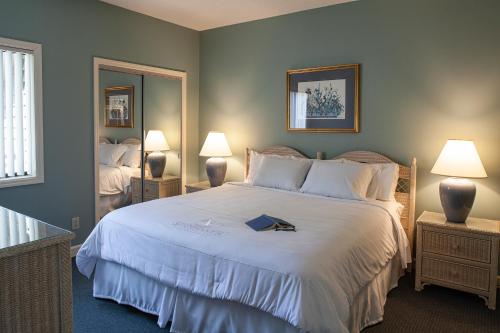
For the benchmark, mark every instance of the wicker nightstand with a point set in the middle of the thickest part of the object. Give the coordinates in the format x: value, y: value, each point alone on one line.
x: 201, y: 186
x: 461, y: 256
x: 155, y: 188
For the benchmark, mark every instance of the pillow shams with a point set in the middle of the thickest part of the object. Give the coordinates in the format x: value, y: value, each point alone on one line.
x: 255, y: 160
x: 254, y: 165
x: 338, y: 179
x: 132, y: 157
x: 384, y: 182
x: 281, y: 172
x: 110, y: 154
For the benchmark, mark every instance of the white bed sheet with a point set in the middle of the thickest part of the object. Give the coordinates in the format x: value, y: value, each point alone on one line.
x: 200, y: 244
x: 116, y: 179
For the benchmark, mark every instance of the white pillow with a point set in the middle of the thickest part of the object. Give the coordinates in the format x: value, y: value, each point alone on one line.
x: 110, y: 154
x: 255, y: 159
x: 281, y: 172
x: 384, y: 182
x: 337, y: 179
x: 132, y: 157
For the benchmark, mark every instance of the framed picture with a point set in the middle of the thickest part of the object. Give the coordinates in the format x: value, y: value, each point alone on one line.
x: 323, y: 99
x: 119, y: 110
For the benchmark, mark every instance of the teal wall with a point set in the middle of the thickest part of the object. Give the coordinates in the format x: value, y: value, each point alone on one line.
x: 109, y: 79
x: 162, y: 111
x: 72, y: 33
x: 430, y: 71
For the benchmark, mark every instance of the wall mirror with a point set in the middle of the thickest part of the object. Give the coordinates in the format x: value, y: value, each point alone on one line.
x: 139, y: 141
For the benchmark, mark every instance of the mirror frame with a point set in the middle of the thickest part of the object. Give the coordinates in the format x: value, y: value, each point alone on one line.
x: 132, y: 68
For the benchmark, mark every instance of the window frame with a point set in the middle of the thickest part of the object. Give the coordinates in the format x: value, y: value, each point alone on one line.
x: 36, y: 50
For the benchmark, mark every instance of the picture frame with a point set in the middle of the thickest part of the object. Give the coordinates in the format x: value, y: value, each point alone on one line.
x: 119, y: 106
x: 323, y: 99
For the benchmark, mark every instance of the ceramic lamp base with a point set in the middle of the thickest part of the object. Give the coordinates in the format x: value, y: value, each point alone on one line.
x: 457, y: 197
x: 216, y: 170
x: 157, y: 162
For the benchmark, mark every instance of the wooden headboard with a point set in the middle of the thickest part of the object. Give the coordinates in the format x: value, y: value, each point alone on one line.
x: 131, y: 141
x: 405, y: 190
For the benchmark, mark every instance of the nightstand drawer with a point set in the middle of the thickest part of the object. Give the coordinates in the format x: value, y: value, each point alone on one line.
x: 459, y: 274
x: 471, y: 248
x: 136, y: 185
x: 151, y: 189
x: 136, y: 197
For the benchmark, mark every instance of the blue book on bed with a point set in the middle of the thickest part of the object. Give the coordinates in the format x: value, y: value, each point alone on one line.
x: 266, y: 222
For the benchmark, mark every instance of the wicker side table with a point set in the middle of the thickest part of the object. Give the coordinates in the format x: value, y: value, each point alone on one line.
x: 35, y: 275
x: 155, y: 188
x: 461, y: 256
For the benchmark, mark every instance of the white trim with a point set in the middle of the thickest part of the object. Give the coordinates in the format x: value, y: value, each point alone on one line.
x: 74, y: 250
x: 36, y: 49
x: 127, y: 67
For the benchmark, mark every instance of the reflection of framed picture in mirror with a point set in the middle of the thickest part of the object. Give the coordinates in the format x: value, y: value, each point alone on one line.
x: 119, y: 109
x: 323, y: 99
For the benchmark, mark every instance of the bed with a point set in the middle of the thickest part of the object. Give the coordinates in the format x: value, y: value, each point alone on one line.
x: 114, y: 182
x: 205, y: 271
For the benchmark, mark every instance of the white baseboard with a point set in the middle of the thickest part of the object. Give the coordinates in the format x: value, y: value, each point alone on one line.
x: 74, y: 249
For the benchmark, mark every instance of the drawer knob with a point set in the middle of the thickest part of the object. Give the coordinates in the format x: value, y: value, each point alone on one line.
x: 456, y: 246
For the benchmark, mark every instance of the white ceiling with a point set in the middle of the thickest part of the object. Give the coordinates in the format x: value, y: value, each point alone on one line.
x: 208, y: 14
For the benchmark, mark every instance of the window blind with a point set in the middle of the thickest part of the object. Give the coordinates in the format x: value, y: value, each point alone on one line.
x: 17, y: 119
x: 16, y: 228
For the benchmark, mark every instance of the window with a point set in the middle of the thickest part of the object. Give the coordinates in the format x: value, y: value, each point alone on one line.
x: 21, y: 139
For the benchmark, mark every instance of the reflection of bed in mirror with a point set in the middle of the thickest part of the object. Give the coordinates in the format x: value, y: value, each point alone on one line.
x: 118, y: 162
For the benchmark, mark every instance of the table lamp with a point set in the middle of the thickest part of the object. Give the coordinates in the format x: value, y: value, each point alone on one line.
x: 156, y: 143
x: 459, y: 158
x: 216, y: 148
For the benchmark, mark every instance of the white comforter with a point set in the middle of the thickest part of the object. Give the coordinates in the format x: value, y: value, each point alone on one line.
x: 200, y: 243
x: 113, y: 180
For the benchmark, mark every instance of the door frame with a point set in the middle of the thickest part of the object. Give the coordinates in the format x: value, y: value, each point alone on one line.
x: 132, y: 68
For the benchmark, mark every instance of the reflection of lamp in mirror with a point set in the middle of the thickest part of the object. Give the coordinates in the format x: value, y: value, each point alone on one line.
x: 216, y: 148
x: 459, y: 158
x: 156, y: 143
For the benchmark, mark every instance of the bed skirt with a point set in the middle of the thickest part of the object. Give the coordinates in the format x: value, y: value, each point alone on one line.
x: 194, y: 313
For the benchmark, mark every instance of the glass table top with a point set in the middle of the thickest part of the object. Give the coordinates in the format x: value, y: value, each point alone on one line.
x: 17, y: 229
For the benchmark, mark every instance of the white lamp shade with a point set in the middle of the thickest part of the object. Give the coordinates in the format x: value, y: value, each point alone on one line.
x: 155, y: 141
x: 459, y: 158
x: 215, y: 145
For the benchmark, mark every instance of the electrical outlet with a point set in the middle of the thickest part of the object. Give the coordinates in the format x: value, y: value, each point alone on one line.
x: 75, y: 223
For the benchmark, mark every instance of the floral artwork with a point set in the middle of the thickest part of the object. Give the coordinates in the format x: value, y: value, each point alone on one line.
x: 323, y: 99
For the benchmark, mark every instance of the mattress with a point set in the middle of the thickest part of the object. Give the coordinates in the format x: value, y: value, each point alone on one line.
x: 199, y: 244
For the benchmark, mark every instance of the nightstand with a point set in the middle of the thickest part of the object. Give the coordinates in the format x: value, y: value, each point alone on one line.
x: 155, y: 188
x: 461, y: 256
x: 201, y: 186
